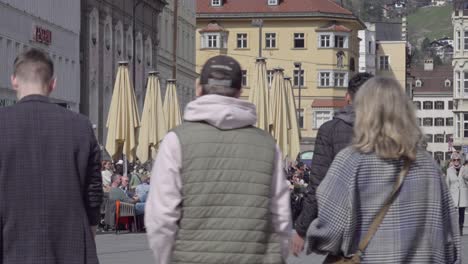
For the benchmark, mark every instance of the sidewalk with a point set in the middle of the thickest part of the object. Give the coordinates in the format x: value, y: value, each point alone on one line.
x: 133, y: 249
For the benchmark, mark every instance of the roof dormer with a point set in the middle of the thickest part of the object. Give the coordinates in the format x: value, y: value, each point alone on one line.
x: 273, y: 2
x: 216, y: 2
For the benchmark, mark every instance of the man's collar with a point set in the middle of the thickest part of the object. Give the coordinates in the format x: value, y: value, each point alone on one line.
x: 35, y: 98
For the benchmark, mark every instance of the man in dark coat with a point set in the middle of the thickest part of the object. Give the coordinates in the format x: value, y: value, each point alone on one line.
x: 332, y: 137
x: 50, y: 180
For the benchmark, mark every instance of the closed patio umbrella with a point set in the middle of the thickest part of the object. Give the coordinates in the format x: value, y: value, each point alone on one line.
x: 294, y: 135
x: 279, y: 112
x: 153, y: 123
x: 259, y: 95
x: 171, y: 106
x: 123, y: 120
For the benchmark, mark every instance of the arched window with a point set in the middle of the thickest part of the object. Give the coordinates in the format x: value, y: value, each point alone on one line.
x: 418, y: 83
x: 129, y: 44
x: 107, y: 36
x: 93, y: 26
x: 149, y: 52
x: 139, y: 48
x: 119, y: 38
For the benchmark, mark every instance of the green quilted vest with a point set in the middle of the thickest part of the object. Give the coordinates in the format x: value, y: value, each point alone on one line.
x: 226, y: 185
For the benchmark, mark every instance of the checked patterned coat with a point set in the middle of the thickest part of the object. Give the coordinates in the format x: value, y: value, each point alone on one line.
x: 421, y: 225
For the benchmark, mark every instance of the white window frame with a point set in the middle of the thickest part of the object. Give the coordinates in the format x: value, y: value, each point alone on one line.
x: 418, y: 83
x: 300, y: 113
x: 322, y: 41
x: 465, y: 125
x: 465, y: 39
x: 220, y: 40
x: 270, y: 74
x: 458, y: 47
x: 345, y: 40
x: 458, y: 124
x: 465, y: 84
x: 388, y: 63
x: 327, y: 79
x: 270, y: 38
x: 216, y: 2
x: 298, y: 37
x: 457, y: 84
x: 326, y: 115
x: 437, y: 105
x: 344, y: 79
x: 437, y: 121
x: 296, y: 78
x: 243, y: 38
x: 245, y: 81
x: 272, y: 2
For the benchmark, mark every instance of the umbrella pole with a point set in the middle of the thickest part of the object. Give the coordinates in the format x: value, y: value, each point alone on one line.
x: 125, y: 169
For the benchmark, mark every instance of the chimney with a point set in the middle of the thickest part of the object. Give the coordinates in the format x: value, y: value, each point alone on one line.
x: 428, y: 65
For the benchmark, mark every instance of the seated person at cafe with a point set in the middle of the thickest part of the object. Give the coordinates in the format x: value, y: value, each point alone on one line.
x: 117, y: 194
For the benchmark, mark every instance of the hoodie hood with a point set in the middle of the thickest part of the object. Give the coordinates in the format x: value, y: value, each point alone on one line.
x: 346, y: 114
x: 221, y: 111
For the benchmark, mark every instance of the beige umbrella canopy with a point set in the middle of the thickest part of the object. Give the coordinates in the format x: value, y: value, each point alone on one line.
x: 259, y: 95
x: 279, y: 112
x: 153, y: 123
x: 293, y: 132
x: 123, y: 120
x: 171, y: 106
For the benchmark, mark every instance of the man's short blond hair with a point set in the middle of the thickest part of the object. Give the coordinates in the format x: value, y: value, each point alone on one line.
x: 34, y: 65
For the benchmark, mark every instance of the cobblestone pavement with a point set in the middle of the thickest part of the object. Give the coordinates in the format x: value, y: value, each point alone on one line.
x: 131, y: 248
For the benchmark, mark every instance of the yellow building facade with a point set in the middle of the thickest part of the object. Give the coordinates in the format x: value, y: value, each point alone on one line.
x: 326, y: 45
x: 391, y: 60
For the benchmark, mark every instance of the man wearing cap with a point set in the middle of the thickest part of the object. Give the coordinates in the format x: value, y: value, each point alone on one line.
x: 218, y: 193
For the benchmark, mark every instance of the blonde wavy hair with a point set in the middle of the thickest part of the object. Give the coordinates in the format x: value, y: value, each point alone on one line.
x: 385, y: 120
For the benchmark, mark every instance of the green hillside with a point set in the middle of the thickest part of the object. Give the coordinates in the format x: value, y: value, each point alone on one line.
x: 430, y: 22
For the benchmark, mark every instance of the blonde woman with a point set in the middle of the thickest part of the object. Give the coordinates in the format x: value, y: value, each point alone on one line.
x: 421, y: 225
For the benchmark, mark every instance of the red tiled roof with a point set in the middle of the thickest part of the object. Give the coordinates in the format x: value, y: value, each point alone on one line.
x: 334, y: 103
x: 212, y: 27
x: 261, y: 6
x: 433, y: 81
x: 334, y: 28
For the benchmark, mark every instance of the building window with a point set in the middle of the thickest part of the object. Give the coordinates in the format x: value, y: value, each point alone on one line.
x: 241, y: 41
x: 321, y: 117
x: 270, y: 40
x: 299, y: 40
x: 370, y: 47
x: 213, y: 41
x: 418, y: 83
x: 458, y: 84
x: 419, y: 121
x: 427, y: 121
x: 465, y: 84
x: 465, y: 125
x: 244, y: 78
x: 458, y: 40
x: 429, y: 138
x: 324, y: 79
x: 340, y: 41
x: 270, y: 77
x: 450, y: 105
x: 439, y: 105
x: 438, y: 155
x: 417, y: 104
x: 427, y: 105
x: 448, y: 138
x: 216, y: 2
x: 458, y: 124
x: 384, y: 63
x: 325, y: 41
x: 340, y: 79
x: 272, y: 2
x: 439, y: 121
x: 298, y: 80
x: 448, y: 83
x: 439, y: 138
x: 449, y: 121
x: 301, y: 118
x: 465, y: 39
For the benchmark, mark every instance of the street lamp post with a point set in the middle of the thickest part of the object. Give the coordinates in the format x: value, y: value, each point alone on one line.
x: 298, y: 65
x: 259, y: 23
x: 135, y: 5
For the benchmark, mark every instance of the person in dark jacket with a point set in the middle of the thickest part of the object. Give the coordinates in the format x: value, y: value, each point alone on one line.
x: 50, y: 173
x: 332, y: 137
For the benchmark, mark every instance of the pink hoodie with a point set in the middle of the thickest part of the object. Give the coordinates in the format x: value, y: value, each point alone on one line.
x: 163, y: 210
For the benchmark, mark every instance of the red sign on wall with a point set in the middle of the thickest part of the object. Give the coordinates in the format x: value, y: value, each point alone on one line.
x: 42, y: 35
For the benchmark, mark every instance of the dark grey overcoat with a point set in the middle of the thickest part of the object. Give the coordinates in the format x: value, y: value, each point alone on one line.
x: 50, y: 184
